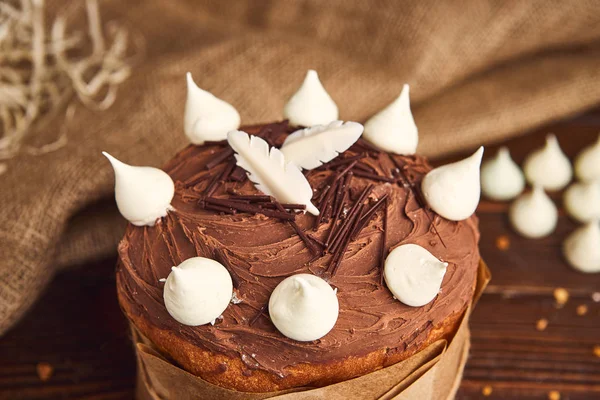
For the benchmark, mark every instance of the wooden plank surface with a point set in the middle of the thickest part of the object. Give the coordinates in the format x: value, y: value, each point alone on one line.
x: 78, y: 329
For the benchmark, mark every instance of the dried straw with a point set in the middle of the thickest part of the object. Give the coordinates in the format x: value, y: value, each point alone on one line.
x: 40, y: 74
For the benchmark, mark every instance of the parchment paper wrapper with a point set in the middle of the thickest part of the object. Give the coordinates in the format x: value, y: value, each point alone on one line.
x: 432, y: 374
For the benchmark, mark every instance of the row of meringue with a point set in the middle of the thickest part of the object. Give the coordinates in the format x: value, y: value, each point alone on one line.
x: 208, y: 118
x: 302, y: 307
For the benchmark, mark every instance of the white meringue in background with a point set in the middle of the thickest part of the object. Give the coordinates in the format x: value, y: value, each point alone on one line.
x: 581, y: 248
x: 582, y: 201
x: 587, y: 163
x: 207, y: 118
x: 303, y: 307
x: 197, y: 291
x: 533, y: 214
x: 393, y: 129
x: 143, y: 194
x: 413, y: 274
x: 501, y: 177
x: 548, y: 167
x: 453, y: 190
x: 311, y: 104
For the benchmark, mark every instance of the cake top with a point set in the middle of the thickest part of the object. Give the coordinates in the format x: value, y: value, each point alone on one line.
x: 369, y: 203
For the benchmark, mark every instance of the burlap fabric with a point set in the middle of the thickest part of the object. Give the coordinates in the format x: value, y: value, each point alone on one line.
x: 479, y: 71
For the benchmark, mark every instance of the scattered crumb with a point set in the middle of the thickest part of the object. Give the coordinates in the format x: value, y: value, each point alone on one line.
x: 487, y: 390
x: 44, y: 371
x: 597, y: 350
x: 561, y: 295
x: 596, y: 297
x: 581, y: 310
x: 503, y: 242
x: 553, y: 395
x: 541, y: 324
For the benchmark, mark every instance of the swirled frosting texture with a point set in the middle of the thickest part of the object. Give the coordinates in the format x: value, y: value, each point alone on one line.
x: 262, y: 251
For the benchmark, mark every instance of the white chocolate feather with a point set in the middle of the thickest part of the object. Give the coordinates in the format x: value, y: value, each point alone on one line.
x: 393, y: 129
x: 207, y: 118
x: 269, y: 170
x: 311, y: 147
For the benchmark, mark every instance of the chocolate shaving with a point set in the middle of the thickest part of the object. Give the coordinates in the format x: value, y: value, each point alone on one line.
x: 221, y: 257
x: 239, y: 174
x: 254, y: 198
x: 372, y: 176
x: 312, y: 237
x: 341, y: 161
x: 367, y: 146
x: 350, y: 217
x: 383, y: 249
x: 212, y: 186
x: 365, y: 167
x: 309, y: 243
x: 214, y: 207
x: 220, y: 157
x: 249, y: 208
x: 345, y: 242
x: 258, y: 314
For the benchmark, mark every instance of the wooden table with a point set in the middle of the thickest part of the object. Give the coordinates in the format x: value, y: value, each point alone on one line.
x: 79, y: 331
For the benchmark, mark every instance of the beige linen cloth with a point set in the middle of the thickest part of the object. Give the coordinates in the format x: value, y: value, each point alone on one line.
x: 479, y: 71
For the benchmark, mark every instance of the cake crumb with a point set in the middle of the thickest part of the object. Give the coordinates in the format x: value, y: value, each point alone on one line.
x: 44, y: 371
x: 553, y: 395
x: 561, y: 295
x: 487, y: 390
x: 597, y: 350
x: 581, y: 310
x: 503, y: 242
x: 541, y: 324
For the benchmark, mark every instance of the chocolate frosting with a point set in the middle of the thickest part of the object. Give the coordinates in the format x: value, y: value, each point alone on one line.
x: 262, y: 251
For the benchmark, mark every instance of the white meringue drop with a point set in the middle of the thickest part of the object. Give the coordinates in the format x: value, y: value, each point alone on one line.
x: 582, y: 248
x: 413, y: 274
x: 582, y: 201
x: 143, y: 194
x: 197, y: 291
x: 548, y: 167
x: 393, y: 129
x: 587, y: 163
x: 311, y: 104
x: 501, y: 177
x: 303, y: 307
x: 453, y: 190
x: 207, y: 118
x: 533, y: 214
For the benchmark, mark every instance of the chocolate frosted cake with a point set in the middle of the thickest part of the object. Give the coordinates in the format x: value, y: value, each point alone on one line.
x: 369, y: 201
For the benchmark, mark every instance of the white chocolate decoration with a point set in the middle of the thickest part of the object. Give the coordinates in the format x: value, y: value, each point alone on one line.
x: 587, y: 163
x: 311, y: 104
x: 582, y: 201
x: 548, y: 167
x: 303, y: 307
x: 501, y: 177
x: 143, y: 194
x: 270, y: 172
x: 453, y: 190
x: 393, y: 129
x: 207, y: 118
x: 197, y: 291
x: 581, y: 248
x: 413, y: 274
x: 533, y: 214
x: 309, y: 148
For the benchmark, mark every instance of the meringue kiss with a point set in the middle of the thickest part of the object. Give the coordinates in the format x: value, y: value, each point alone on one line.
x: 533, y: 214
x: 581, y: 248
x: 303, y: 307
x: 501, y: 177
x: 548, y: 167
x: 311, y: 104
x: 143, y: 194
x: 582, y: 201
x: 587, y: 163
x: 393, y: 129
x: 453, y: 190
x: 207, y: 118
x: 413, y: 274
x: 197, y: 291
